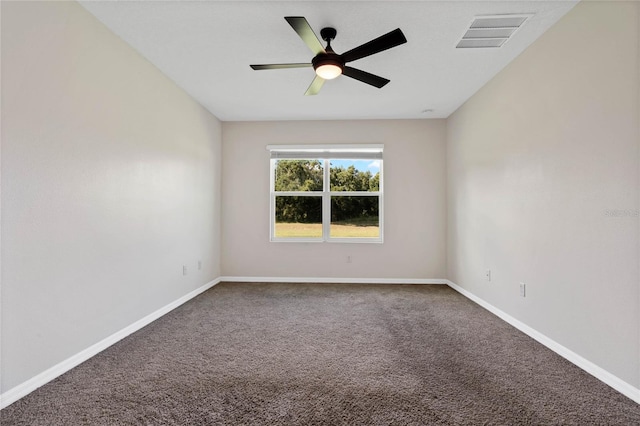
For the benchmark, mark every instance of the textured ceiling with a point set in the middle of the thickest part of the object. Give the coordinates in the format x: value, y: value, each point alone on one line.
x: 206, y: 48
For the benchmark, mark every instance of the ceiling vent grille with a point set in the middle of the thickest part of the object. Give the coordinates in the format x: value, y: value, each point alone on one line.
x: 491, y: 31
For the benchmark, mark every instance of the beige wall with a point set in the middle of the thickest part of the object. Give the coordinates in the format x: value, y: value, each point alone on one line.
x: 414, y: 203
x: 543, y: 187
x: 110, y: 183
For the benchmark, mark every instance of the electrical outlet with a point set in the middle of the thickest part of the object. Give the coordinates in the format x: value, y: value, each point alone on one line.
x: 184, y: 269
x: 199, y: 265
x: 523, y: 290
x: 487, y: 275
x: 349, y: 259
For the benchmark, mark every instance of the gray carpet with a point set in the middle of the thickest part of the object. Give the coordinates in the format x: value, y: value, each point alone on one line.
x: 326, y: 354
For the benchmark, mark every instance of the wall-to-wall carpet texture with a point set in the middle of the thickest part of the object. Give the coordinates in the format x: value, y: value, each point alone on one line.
x: 326, y: 354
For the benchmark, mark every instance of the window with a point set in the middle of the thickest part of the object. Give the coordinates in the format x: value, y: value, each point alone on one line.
x: 326, y: 193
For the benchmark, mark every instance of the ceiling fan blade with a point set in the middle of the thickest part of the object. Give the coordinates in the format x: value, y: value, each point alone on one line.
x: 315, y: 86
x: 302, y: 27
x: 384, y: 42
x: 279, y: 66
x: 365, y: 77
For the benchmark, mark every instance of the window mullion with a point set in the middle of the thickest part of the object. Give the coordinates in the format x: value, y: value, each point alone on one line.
x: 326, y: 202
x: 298, y: 193
x: 355, y: 193
x: 272, y: 199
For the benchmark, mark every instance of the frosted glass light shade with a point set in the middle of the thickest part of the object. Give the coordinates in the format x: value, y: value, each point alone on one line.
x: 328, y: 71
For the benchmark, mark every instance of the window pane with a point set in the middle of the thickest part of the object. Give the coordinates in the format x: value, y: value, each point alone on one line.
x: 355, y: 175
x: 298, y: 217
x: 298, y: 175
x: 355, y: 217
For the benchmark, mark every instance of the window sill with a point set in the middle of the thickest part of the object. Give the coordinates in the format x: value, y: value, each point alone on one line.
x: 332, y: 241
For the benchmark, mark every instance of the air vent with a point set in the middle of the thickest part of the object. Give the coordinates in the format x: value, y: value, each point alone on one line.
x: 491, y: 31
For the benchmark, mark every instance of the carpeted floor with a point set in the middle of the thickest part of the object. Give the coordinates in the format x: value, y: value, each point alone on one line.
x: 326, y: 354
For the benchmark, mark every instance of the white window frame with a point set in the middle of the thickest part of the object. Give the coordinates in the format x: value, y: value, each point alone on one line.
x: 325, y: 153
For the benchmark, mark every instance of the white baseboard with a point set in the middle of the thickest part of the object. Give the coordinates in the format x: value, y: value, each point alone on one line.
x: 23, y: 389
x: 329, y: 280
x: 598, y: 372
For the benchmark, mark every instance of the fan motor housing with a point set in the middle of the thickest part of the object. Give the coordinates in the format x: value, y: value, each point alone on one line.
x: 329, y: 58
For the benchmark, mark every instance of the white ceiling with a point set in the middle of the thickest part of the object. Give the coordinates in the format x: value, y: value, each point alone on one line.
x: 206, y: 48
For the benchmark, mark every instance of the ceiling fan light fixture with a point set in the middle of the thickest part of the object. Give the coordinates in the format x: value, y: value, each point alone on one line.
x: 328, y: 71
x: 327, y: 65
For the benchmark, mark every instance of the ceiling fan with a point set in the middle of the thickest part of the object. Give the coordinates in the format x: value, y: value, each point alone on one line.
x: 327, y: 63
